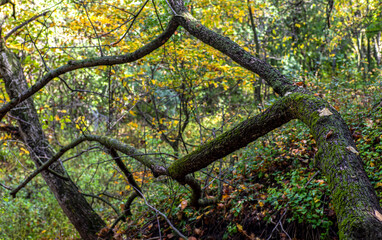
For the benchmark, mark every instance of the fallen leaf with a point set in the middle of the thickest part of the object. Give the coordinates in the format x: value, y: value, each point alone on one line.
x: 170, y: 235
x: 183, y: 204
x: 325, y: 112
x: 239, y: 227
x: 197, y: 231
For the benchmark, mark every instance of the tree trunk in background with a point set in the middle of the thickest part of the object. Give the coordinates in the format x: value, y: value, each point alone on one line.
x: 369, y: 60
x: 72, y: 202
x: 378, y: 48
x: 256, y: 84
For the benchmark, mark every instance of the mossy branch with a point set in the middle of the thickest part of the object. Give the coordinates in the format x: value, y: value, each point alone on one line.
x: 231, y: 140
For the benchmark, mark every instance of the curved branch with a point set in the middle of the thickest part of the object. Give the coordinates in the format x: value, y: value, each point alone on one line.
x: 92, y: 62
x: 356, y: 205
x: 352, y: 194
x: 126, y: 212
x: 129, y: 201
x: 5, y: 186
x: 23, y: 24
x: 156, y: 169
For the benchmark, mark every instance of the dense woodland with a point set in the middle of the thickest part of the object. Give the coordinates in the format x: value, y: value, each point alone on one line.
x: 172, y: 119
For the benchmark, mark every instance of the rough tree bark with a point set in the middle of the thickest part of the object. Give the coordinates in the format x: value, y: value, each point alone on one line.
x: 77, y: 209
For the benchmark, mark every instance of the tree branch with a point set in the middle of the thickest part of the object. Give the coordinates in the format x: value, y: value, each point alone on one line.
x: 105, y: 141
x: 126, y: 172
x: 232, y: 140
x: 91, y: 62
x: 6, y: 187
x: 23, y: 24
x: 103, y: 200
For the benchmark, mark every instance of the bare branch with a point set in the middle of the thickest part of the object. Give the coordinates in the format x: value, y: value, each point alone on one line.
x: 6, y: 187
x: 131, y: 24
x: 94, y: 29
x: 2, y: 2
x: 103, y: 200
x: 126, y: 172
x: 46, y: 164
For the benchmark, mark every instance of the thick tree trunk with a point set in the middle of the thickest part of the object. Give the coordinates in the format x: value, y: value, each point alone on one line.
x: 75, y: 206
x: 356, y: 205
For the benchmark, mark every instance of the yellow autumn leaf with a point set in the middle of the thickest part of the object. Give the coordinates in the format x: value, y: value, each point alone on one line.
x: 24, y: 150
x: 239, y: 227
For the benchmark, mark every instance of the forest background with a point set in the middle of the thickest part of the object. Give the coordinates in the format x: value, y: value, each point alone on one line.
x: 183, y: 95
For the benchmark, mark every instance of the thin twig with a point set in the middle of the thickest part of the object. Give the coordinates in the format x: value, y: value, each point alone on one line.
x: 6, y: 187
x: 103, y: 200
x: 171, y: 8
x: 131, y: 24
x: 94, y: 29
